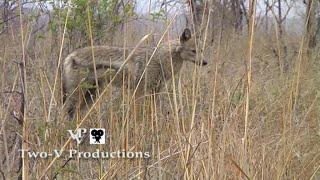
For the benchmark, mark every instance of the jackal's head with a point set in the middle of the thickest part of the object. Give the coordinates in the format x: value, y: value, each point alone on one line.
x: 188, y: 50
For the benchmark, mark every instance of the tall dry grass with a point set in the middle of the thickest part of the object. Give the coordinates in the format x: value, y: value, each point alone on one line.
x: 203, y: 125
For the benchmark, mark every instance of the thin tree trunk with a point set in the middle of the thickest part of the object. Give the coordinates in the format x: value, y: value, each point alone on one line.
x: 5, y: 15
x: 266, y: 16
x: 310, y: 20
x: 237, y: 15
x: 280, y: 19
x: 194, y: 13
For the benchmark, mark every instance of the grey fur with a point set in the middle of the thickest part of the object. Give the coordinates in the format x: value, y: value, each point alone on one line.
x: 78, y: 68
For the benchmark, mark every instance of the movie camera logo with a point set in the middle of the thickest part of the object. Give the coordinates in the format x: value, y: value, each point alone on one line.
x: 97, y: 135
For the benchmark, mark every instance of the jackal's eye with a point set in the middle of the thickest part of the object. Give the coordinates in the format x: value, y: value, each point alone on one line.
x: 194, y: 51
x: 74, y: 64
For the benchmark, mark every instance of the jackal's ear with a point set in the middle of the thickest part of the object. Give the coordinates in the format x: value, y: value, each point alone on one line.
x: 185, y: 36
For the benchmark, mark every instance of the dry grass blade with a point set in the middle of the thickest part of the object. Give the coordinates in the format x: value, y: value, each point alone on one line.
x: 239, y: 168
x: 252, y: 14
